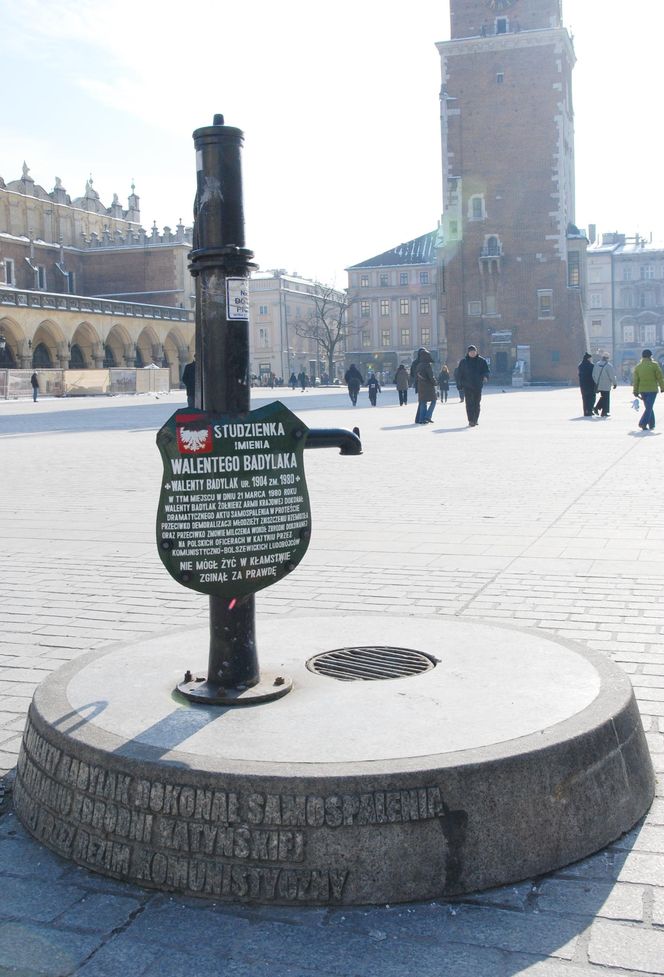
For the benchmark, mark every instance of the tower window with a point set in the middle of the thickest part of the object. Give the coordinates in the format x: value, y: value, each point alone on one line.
x: 476, y: 208
x: 573, y: 269
x: 500, y: 77
x: 9, y: 271
x: 41, y: 277
x: 545, y: 304
x: 502, y: 24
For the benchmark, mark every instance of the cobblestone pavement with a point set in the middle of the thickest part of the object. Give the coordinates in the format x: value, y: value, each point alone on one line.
x: 538, y: 517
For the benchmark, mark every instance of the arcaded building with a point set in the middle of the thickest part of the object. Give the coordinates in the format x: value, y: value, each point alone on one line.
x: 83, y: 285
x: 513, y: 257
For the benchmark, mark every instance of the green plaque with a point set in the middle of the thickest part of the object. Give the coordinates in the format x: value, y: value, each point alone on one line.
x: 234, y: 512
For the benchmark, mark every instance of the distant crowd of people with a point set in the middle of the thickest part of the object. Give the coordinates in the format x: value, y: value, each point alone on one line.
x: 469, y: 377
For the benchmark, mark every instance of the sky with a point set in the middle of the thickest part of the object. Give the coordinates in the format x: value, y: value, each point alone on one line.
x: 338, y: 103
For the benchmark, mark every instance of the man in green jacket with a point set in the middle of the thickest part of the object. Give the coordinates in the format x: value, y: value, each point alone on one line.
x: 647, y: 380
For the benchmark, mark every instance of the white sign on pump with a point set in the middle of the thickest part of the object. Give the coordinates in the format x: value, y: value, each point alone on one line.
x: 237, y: 298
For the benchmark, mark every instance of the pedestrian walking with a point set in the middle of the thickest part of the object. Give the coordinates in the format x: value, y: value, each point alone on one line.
x: 34, y: 381
x: 189, y: 381
x: 647, y: 380
x: 402, y: 382
x: 292, y: 383
x: 473, y: 374
x: 605, y: 379
x: 373, y: 387
x: 425, y: 385
x: 587, y: 384
x: 457, y: 384
x: 302, y: 380
x: 444, y: 383
x: 354, y: 381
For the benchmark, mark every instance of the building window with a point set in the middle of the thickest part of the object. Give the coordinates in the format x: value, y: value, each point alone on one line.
x: 476, y: 208
x: 364, y: 281
x: 385, y: 337
x: 71, y: 283
x: 405, y: 337
x: 9, y: 271
x: 595, y: 300
x: 493, y: 246
x: 627, y: 298
x: 264, y: 337
x: 628, y: 334
x: 596, y: 327
x: 424, y: 307
x: 426, y: 336
x: 262, y: 310
x: 366, y: 338
x: 573, y: 269
x: 555, y: 356
x: 474, y: 308
x: 545, y: 304
x: 490, y: 305
x: 424, y: 278
x: 627, y: 273
x: 384, y: 306
x: 502, y: 25
x: 404, y: 306
x: 365, y: 309
x: 384, y: 280
x: 403, y: 277
x: 649, y: 334
x: 648, y: 272
x: 500, y: 77
x: 41, y: 277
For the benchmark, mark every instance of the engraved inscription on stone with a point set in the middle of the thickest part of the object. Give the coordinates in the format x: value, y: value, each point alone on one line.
x: 230, y: 844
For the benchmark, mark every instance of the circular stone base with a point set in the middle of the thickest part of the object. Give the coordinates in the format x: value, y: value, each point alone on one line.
x: 516, y: 754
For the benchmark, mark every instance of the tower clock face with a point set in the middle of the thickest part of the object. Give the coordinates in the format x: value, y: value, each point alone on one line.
x: 500, y: 4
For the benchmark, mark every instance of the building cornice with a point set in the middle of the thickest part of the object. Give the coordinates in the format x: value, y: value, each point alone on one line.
x: 507, y: 42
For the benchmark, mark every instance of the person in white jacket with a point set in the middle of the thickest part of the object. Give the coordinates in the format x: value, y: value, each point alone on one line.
x: 605, y: 379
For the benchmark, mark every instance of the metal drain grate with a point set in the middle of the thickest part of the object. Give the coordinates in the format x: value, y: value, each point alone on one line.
x: 371, y: 663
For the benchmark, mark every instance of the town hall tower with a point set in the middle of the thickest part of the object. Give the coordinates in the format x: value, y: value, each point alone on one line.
x: 512, y: 254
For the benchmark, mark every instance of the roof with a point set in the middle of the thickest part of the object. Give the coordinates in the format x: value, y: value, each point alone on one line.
x: 419, y: 251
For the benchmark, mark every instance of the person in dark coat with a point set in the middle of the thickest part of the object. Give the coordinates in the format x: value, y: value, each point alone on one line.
x: 402, y: 382
x: 34, y: 382
x: 189, y: 381
x: 292, y: 383
x: 587, y: 384
x: 354, y: 381
x: 444, y: 383
x: 373, y: 387
x: 425, y: 386
x: 457, y: 384
x: 302, y: 380
x: 473, y: 374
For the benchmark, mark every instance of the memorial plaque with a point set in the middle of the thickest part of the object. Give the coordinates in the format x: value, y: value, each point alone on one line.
x: 234, y: 512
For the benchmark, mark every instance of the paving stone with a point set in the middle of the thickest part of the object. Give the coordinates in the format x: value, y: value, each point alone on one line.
x: 101, y: 912
x: 44, y: 950
x: 40, y: 902
x: 629, y: 947
x: 618, y: 901
x: 22, y: 857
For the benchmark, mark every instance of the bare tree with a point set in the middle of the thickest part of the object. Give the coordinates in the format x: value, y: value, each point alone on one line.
x: 327, y: 323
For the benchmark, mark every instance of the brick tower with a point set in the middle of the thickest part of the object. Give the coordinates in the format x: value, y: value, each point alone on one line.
x: 514, y: 259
